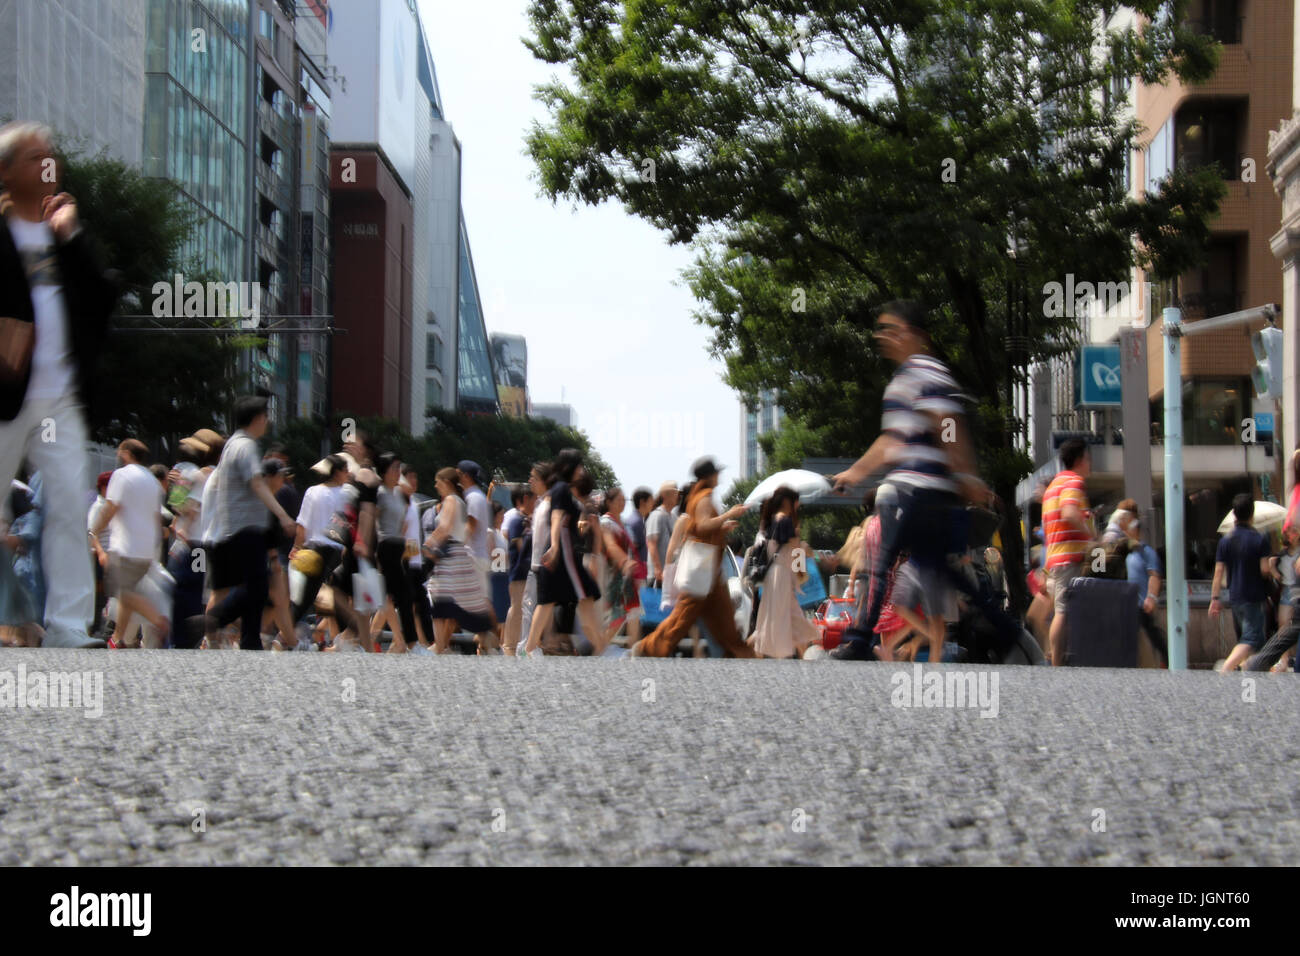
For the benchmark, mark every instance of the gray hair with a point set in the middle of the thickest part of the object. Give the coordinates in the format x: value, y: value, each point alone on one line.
x: 13, y: 135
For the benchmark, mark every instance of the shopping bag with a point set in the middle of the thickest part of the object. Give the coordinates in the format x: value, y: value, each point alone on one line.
x: 696, y: 569
x: 652, y: 611
x: 367, y: 588
x: 297, y: 585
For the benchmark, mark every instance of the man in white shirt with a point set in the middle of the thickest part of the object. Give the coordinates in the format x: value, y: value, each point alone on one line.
x: 54, y: 308
x: 319, y: 503
x: 132, y: 508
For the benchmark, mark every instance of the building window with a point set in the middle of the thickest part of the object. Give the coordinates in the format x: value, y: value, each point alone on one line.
x: 1220, y: 19
x: 1209, y: 133
x: 1160, y: 157
x: 432, y: 352
x: 1213, y: 410
x: 265, y: 25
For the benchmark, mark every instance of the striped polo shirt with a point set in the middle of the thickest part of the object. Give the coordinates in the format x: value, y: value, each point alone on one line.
x: 921, y: 387
x: 1065, y: 544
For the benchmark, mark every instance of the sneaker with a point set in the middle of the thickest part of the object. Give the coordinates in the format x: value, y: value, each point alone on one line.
x: 304, y: 643
x: 420, y: 650
x: 852, y: 651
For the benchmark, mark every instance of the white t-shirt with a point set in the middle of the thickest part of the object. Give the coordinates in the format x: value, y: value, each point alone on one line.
x: 93, y: 519
x: 52, y: 369
x: 476, y: 504
x: 136, y: 529
x: 319, y: 502
x: 541, y: 530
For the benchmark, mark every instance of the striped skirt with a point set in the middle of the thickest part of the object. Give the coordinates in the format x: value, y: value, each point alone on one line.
x: 457, y: 581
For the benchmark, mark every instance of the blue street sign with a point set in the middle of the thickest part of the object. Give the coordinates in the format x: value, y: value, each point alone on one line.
x: 1096, y: 376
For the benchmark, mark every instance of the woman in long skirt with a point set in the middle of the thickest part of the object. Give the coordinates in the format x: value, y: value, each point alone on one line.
x: 782, y: 629
x: 456, y: 589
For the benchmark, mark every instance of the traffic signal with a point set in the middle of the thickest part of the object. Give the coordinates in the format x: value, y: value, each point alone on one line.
x: 1267, y: 343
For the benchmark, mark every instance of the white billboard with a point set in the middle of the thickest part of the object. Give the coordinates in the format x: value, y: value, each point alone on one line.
x: 373, y: 45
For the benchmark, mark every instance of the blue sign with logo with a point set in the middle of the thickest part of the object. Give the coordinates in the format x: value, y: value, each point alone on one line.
x: 1263, y: 426
x: 1096, y: 376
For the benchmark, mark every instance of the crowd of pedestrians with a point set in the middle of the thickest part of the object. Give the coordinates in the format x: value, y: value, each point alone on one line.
x: 221, y: 548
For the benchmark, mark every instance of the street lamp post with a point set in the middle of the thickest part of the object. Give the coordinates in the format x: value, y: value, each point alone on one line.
x: 1175, y: 558
x: 1175, y: 553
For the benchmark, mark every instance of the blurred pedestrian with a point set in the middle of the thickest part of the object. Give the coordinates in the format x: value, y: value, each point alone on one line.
x: 704, y: 593
x: 1243, y: 557
x: 134, y: 507
x: 924, y: 442
x: 55, y: 303
x: 781, y: 629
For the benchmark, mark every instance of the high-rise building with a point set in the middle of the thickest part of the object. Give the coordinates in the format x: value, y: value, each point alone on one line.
x: 1284, y: 170
x: 412, y: 254
x: 372, y: 169
x: 558, y: 412
x: 1223, y: 121
x: 291, y: 195
x: 476, y: 381
x: 510, y: 360
x: 198, y: 124
x: 436, y: 202
x: 765, y: 416
x: 78, y: 67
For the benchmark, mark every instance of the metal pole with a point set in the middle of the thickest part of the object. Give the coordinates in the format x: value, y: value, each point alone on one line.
x: 1175, y: 557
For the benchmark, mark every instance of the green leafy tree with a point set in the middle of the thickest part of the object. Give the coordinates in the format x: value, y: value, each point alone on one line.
x: 157, y: 385
x: 825, y: 156
x: 504, y: 447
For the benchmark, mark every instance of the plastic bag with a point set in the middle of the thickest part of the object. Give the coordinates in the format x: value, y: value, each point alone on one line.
x: 367, y: 588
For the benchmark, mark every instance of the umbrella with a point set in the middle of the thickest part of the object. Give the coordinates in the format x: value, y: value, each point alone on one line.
x: 1268, y: 517
x: 808, y: 484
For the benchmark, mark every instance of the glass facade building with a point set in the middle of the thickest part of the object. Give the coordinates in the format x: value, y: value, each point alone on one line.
x: 475, y: 376
x: 195, y: 121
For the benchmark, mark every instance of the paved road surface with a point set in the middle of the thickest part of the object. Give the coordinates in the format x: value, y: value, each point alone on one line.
x: 290, y: 758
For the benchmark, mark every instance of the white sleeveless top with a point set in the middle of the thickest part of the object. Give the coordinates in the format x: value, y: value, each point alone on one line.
x: 453, y: 510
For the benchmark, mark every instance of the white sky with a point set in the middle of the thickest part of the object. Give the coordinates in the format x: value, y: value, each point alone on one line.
x: 596, y: 291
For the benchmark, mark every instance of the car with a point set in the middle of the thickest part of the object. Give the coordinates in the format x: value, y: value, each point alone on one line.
x: 832, y: 618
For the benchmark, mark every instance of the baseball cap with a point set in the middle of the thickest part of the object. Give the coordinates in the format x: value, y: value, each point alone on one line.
x: 667, y: 486
x: 705, y: 467
x: 208, y: 437
x: 470, y: 468
x: 273, y: 466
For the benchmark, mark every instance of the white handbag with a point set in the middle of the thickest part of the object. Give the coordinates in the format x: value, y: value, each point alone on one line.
x: 367, y: 588
x: 696, y: 568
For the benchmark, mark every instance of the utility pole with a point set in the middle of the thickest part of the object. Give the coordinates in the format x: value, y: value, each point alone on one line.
x: 1175, y: 553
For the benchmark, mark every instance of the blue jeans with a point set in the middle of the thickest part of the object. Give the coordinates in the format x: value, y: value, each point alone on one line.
x: 1250, y: 618
x: 921, y: 522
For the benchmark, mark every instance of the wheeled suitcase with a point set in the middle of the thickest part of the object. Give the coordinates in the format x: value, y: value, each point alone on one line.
x: 1101, y: 623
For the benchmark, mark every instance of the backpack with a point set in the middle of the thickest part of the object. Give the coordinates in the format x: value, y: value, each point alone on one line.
x: 757, y: 561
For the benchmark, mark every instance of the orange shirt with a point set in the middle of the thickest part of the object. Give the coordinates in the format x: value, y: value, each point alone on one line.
x: 1065, y: 544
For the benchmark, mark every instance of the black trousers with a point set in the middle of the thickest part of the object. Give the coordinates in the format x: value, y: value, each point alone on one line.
x: 330, y: 558
x: 397, y: 584
x: 416, y: 577
x: 1148, y: 623
x: 247, y: 549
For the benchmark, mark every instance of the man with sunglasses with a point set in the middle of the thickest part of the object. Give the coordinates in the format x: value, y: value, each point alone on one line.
x: 924, y: 442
